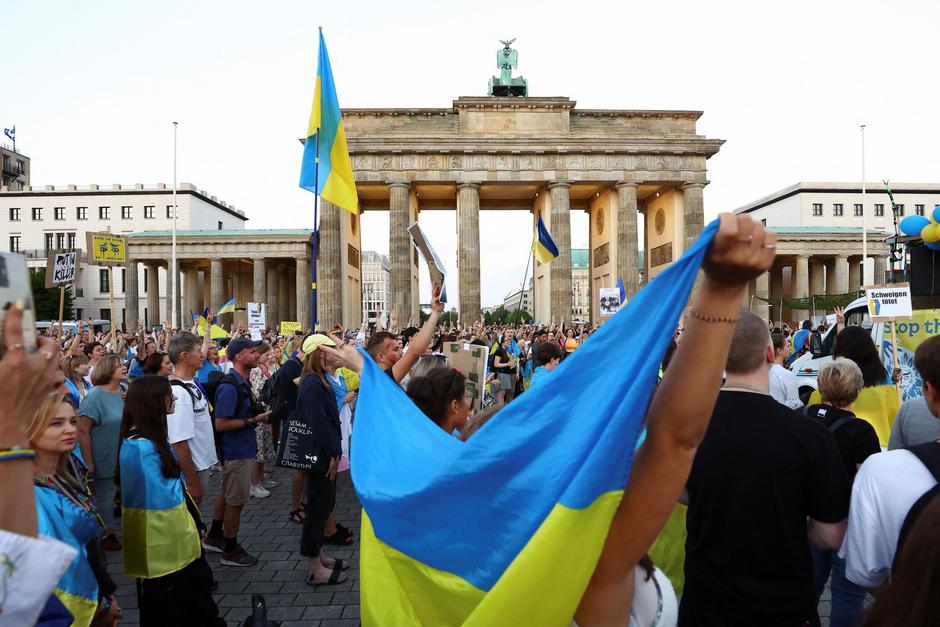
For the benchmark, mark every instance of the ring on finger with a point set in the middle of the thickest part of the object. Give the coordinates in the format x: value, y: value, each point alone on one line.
x: 17, y: 346
x: 745, y: 240
x: 47, y: 355
x: 770, y: 245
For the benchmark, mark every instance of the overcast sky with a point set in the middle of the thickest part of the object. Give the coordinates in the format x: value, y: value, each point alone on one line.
x: 92, y: 88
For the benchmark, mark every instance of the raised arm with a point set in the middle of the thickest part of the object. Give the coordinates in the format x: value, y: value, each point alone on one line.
x: 422, y: 340
x: 680, y: 411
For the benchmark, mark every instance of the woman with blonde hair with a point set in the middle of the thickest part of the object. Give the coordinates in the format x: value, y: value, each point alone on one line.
x: 76, y: 368
x: 840, y: 382
x: 67, y: 512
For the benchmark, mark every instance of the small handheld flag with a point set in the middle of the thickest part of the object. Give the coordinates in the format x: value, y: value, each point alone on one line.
x: 623, y: 290
x: 228, y: 307
x: 545, y: 248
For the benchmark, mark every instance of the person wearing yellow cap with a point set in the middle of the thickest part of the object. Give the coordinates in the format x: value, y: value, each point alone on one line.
x: 317, y: 406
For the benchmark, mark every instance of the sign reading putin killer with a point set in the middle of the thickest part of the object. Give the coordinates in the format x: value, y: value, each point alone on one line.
x: 63, y: 267
x: 105, y: 249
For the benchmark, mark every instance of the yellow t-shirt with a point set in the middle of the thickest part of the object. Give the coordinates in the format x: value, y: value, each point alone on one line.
x: 877, y: 405
x: 571, y: 344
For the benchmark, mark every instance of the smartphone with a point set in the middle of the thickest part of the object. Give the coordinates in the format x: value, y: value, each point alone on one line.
x: 14, y: 287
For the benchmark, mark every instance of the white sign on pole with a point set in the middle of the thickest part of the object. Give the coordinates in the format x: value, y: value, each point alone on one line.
x: 256, y: 319
x: 610, y: 300
x: 62, y: 267
x: 891, y: 302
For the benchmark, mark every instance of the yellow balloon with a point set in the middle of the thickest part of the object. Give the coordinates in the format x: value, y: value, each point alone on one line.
x: 930, y: 233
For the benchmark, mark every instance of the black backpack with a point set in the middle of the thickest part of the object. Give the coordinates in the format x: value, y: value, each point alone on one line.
x: 929, y: 455
x: 834, y: 426
x: 209, y: 388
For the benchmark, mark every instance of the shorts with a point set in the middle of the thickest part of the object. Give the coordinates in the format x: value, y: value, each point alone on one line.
x: 203, y: 476
x: 505, y: 381
x: 236, y: 481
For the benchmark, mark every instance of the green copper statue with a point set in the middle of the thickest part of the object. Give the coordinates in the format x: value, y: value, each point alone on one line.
x: 507, y: 59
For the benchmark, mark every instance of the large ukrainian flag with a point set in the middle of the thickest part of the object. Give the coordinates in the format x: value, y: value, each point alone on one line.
x: 326, y: 169
x: 545, y: 248
x: 160, y: 535
x: 506, y: 529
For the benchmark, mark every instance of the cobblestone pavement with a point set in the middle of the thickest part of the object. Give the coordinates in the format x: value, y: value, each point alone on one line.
x: 279, y: 575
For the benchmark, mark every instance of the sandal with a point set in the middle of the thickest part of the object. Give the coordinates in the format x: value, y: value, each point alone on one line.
x: 339, y: 564
x: 332, y: 581
x: 342, y: 537
x: 296, y: 515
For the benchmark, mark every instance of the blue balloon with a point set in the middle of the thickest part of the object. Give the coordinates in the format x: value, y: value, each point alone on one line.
x: 933, y: 245
x: 936, y: 213
x: 912, y: 225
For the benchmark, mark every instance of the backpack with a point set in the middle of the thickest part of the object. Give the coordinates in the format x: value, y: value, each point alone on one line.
x: 928, y: 454
x: 210, y: 388
x: 834, y: 426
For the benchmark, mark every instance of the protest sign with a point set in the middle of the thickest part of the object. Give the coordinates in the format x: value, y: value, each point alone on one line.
x: 256, y: 319
x: 435, y: 266
x: 470, y: 359
x: 289, y: 327
x: 62, y: 267
x: 105, y: 249
x: 610, y: 300
x: 891, y: 303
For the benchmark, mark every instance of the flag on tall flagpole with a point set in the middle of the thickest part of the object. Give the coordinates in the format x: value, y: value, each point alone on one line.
x: 325, y: 147
x: 545, y: 248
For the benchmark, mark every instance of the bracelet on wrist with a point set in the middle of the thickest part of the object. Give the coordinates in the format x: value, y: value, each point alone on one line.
x: 709, y: 318
x: 16, y: 452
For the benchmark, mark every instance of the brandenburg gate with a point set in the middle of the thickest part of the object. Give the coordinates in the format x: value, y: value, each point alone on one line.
x: 538, y: 154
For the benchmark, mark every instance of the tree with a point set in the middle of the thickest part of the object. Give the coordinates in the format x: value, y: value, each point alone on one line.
x: 518, y: 316
x: 46, y: 299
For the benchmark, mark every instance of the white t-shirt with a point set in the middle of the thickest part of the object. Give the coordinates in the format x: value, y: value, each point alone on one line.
x: 192, y: 422
x: 784, y: 388
x: 885, y: 488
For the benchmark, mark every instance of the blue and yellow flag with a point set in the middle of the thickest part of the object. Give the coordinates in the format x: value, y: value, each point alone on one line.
x: 228, y: 307
x: 545, y: 248
x: 470, y: 533
x: 160, y: 535
x: 326, y: 169
x: 61, y: 519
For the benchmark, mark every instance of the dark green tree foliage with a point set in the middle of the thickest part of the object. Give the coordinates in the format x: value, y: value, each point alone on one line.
x: 46, y: 300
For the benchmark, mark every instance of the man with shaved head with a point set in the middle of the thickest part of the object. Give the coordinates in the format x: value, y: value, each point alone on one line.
x: 766, y: 484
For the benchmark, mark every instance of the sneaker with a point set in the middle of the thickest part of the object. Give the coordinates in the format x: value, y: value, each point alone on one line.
x: 239, y: 557
x: 269, y: 483
x: 259, y: 492
x: 216, y: 545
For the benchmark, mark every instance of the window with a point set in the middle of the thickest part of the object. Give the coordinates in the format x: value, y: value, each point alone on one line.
x: 148, y: 212
x: 837, y: 209
x: 71, y: 240
x: 105, y: 314
x: 14, y: 214
x: 49, y: 241
x: 60, y: 240
x: 220, y: 225
x: 14, y: 243
x: 104, y: 213
x: 125, y: 213
x: 37, y: 214
x: 919, y: 210
x: 858, y: 211
x: 81, y: 213
x: 169, y: 212
x: 104, y: 284
x: 78, y: 313
x: 123, y: 280
x: 145, y: 280
x: 817, y: 209
x: 58, y: 213
x: 879, y: 211
x: 900, y: 210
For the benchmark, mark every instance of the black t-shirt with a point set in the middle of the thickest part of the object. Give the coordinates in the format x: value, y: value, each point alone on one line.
x: 284, y: 378
x: 503, y: 356
x: 856, y: 439
x: 760, y: 471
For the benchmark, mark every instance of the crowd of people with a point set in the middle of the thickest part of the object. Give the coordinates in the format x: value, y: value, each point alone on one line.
x: 113, y: 441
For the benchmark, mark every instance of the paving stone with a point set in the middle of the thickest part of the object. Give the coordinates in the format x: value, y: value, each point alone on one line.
x: 323, y: 611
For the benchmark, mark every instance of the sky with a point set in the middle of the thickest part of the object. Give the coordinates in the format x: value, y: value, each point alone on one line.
x: 93, y: 88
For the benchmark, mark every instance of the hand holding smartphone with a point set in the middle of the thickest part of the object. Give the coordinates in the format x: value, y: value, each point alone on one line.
x: 15, y: 291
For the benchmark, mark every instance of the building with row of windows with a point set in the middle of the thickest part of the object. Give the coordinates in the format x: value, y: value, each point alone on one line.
x: 14, y: 173
x: 375, y: 284
x: 580, y: 289
x: 34, y: 221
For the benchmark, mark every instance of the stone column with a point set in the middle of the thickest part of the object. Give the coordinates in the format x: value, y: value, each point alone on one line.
x: 291, y: 281
x: 816, y: 278
x: 217, y: 284
x: 627, y: 237
x: 881, y: 268
x: 283, y: 295
x: 153, y: 294
x: 131, y: 297
x: 303, y: 292
x: 801, y: 284
x: 776, y: 291
x: 762, y: 289
x: 171, y: 272
x: 841, y: 274
x: 560, y: 228
x: 259, y: 290
x: 274, y: 307
x: 468, y: 250
x: 329, y: 270
x: 855, y: 273
x: 191, y: 289
x: 694, y: 212
x: 399, y: 247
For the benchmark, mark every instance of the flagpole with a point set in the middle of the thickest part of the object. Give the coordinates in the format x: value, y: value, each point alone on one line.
x: 174, y: 271
x: 316, y: 235
x: 524, y: 277
x: 865, y: 280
